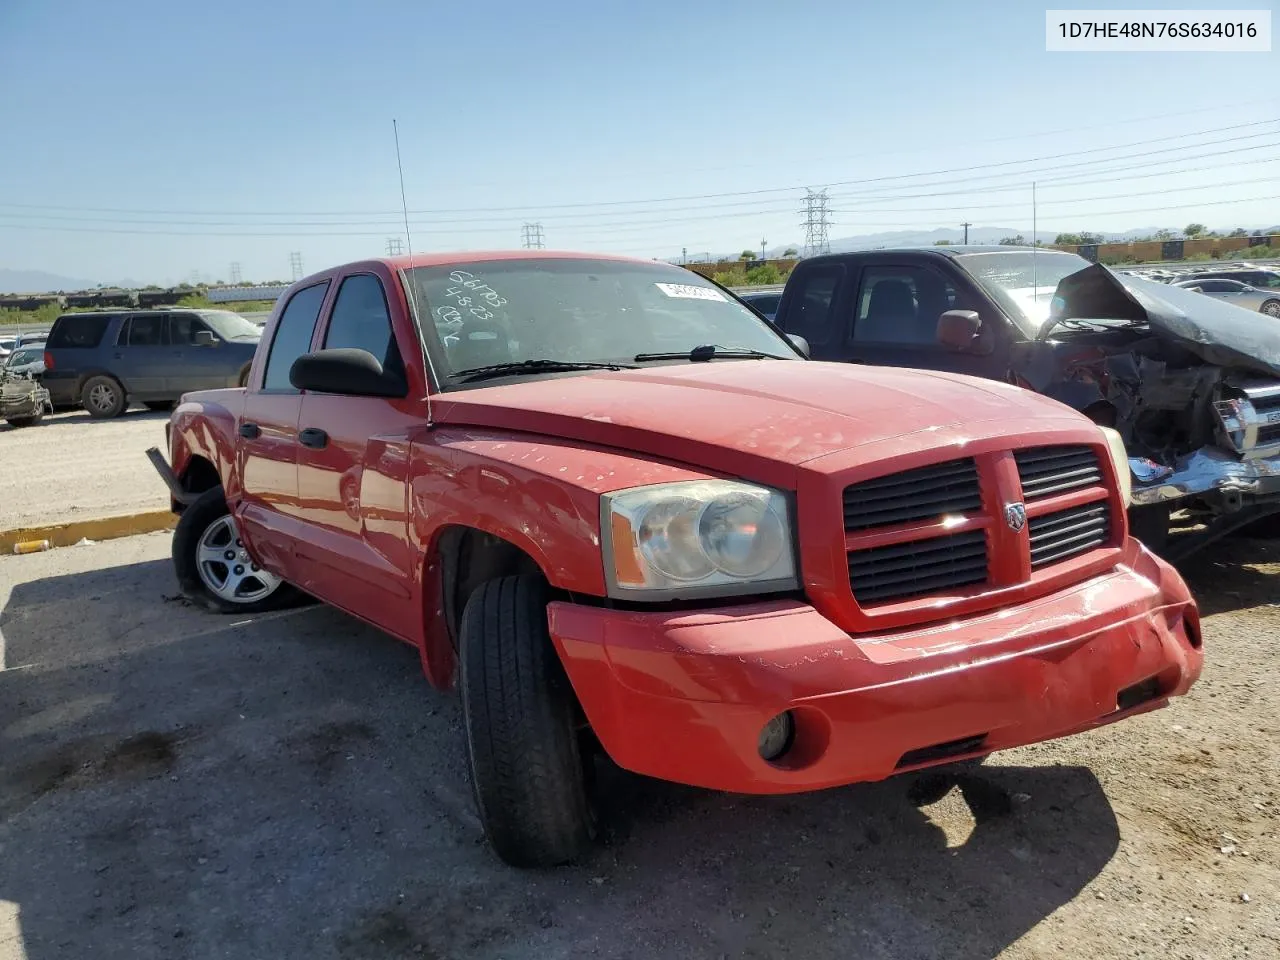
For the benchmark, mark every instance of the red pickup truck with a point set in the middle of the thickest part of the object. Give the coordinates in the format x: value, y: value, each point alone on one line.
x: 631, y: 517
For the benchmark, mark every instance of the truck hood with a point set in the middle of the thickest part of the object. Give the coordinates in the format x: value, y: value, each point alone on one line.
x: 751, y: 412
x: 1221, y: 333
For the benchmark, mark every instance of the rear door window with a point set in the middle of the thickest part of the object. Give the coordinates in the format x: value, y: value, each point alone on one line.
x: 293, y: 336
x: 80, y: 332
x: 811, y: 309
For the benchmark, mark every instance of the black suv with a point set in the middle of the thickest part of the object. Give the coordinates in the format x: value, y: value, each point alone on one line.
x: 106, y: 360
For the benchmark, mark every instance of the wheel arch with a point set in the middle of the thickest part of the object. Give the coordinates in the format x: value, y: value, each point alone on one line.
x: 459, y: 559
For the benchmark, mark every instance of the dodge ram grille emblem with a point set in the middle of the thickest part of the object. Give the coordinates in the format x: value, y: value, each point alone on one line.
x: 1015, y: 515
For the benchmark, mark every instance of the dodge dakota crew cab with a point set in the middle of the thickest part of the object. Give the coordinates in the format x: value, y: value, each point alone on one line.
x: 1191, y: 384
x: 624, y: 514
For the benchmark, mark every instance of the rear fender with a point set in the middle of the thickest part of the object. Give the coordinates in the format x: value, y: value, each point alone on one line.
x: 205, y: 426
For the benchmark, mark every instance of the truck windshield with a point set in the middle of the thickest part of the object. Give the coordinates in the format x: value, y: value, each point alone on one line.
x: 1022, y: 289
x: 571, y: 310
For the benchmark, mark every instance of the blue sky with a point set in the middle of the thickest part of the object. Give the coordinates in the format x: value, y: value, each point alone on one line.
x: 163, y: 138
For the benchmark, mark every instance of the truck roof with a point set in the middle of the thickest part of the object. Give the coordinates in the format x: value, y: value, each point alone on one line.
x: 407, y: 261
x: 944, y: 251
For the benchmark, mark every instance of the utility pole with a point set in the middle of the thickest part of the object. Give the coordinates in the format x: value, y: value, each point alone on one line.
x: 295, y: 264
x: 684, y: 255
x: 966, y: 226
x: 531, y: 236
x: 762, y: 256
x: 815, y: 222
x: 235, y: 274
x: 395, y: 246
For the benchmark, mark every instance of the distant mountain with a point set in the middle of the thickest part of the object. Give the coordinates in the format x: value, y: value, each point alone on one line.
x: 37, y: 281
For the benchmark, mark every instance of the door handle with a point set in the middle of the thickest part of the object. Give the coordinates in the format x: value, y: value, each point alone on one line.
x: 313, y: 437
x: 249, y: 430
x: 117, y: 356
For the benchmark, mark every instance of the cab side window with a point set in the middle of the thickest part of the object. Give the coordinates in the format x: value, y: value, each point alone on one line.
x: 811, y: 311
x: 360, y: 320
x: 901, y: 305
x: 183, y: 328
x: 293, y: 336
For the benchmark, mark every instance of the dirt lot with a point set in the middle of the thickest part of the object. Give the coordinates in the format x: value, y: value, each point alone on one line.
x: 176, y: 784
x: 36, y: 488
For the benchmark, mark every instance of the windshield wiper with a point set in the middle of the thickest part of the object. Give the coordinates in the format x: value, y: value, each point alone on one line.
x: 517, y: 367
x: 710, y: 351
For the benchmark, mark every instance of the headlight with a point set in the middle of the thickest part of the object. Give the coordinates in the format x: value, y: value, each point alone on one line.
x: 696, y: 538
x: 1120, y: 460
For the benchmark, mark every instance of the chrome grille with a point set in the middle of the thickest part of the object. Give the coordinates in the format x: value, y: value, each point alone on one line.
x: 918, y: 568
x: 1057, y: 536
x: 922, y: 494
x: 1045, y: 471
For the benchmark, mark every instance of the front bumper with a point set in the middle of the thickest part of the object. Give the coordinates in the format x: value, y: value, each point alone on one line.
x: 1208, y: 470
x: 683, y: 696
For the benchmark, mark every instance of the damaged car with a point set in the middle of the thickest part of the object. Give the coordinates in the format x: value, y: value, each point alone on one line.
x: 1192, y: 384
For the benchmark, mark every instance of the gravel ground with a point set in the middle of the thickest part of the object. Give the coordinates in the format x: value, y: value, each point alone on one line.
x: 180, y: 785
x: 112, y: 475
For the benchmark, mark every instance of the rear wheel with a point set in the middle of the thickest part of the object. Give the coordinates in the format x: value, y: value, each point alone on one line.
x: 1271, y: 308
x: 529, y: 771
x: 103, y: 398
x: 213, y: 567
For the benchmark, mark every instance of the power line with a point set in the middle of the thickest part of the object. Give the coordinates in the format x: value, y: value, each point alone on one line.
x: 740, y: 193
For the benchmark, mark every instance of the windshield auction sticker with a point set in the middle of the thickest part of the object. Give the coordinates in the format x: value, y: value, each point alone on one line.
x: 689, y: 291
x: 1154, y: 31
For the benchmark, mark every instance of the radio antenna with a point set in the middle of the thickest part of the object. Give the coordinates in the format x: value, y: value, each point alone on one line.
x: 404, y: 204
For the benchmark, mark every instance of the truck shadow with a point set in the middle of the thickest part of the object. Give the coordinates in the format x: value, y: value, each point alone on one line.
x: 182, y: 785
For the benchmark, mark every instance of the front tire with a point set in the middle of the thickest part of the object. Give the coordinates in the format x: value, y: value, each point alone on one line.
x: 213, y: 567
x: 528, y: 768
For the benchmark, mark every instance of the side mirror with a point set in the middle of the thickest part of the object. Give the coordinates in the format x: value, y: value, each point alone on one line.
x: 346, y: 371
x: 205, y: 338
x: 958, y: 330
x: 799, y: 342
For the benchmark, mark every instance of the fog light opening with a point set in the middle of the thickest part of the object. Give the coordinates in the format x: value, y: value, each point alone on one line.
x: 776, y: 736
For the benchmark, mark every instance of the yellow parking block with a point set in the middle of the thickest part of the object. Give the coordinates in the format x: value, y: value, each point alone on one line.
x: 103, y: 528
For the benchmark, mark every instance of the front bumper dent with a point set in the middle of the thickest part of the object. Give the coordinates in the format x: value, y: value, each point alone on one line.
x: 1207, y: 470
x: 683, y: 696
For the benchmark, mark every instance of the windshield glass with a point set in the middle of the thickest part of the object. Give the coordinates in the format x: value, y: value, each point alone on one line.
x: 576, y: 310
x: 24, y: 355
x: 1023, y: 289
x: 231, y: 326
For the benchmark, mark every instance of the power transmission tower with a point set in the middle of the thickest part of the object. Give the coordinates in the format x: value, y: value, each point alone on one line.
x: 966, y: 226
x: 395, y: 246
x: 295, y: 264
x: 815, y: 223
x: 235, y: 273
x: 531, y: 235
x: 762, y: 254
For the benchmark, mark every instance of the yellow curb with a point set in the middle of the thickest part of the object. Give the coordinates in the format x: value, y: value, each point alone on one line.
x: 104, y: 528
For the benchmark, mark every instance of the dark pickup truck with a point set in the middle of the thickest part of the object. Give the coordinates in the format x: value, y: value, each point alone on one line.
x: 1192, y: 384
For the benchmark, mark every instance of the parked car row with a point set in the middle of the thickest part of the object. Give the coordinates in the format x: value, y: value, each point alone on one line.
x: 625, y: 514
x: 1234, y: 291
